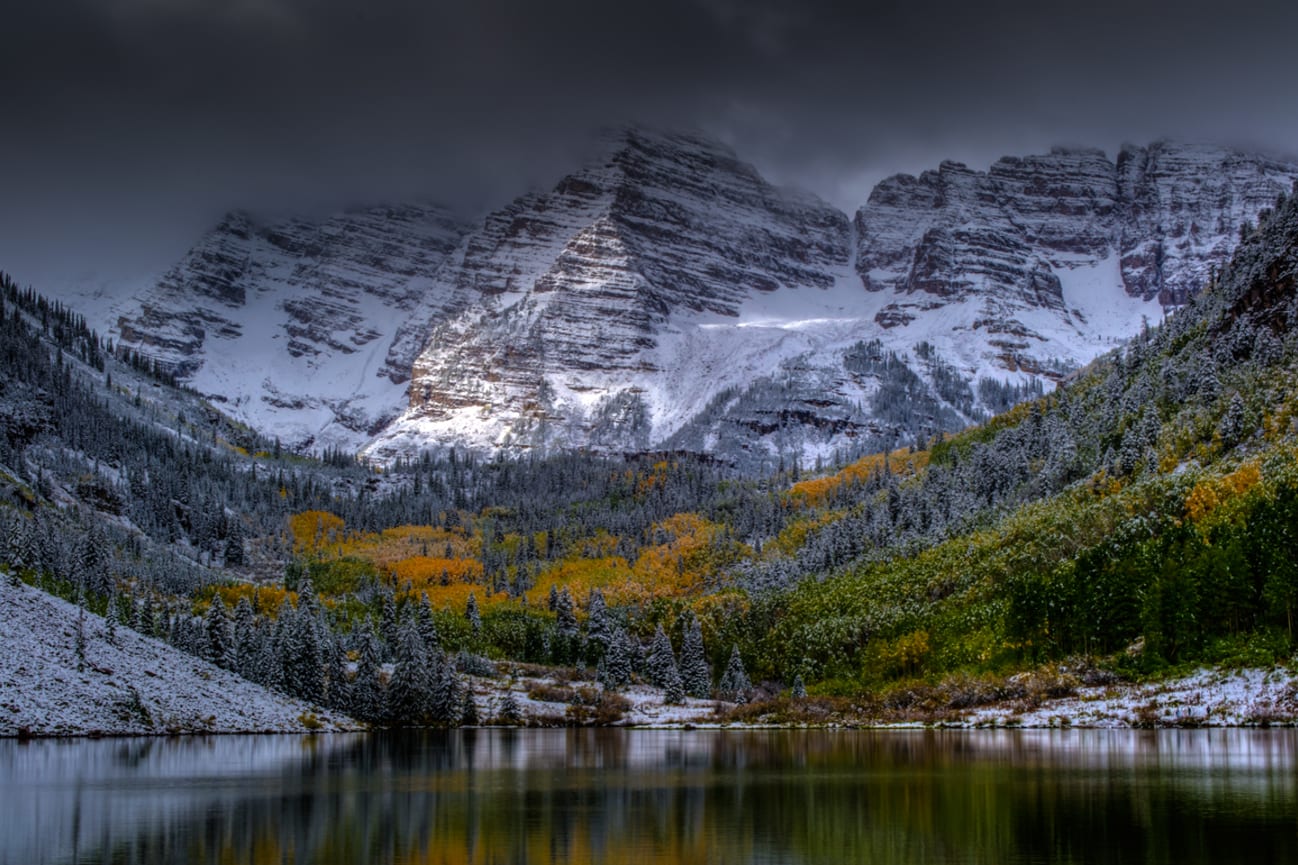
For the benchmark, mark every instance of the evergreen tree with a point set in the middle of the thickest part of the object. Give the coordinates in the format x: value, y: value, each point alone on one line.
x: 565, y: 618
x: 110, y: 614
x: 446, y: 701
x: 510, y: 712
x: 614, y: 670
x: 427, y: 628
x: 471, y: 613
x: 660, y: 665
x: 245, y: 639
x: 79, y: 639
x: 734, y: 685
x: 234, y: 544
x: 695, y: 672
x: 1233, y: 422
x: 410, y: 691
x: 469, y: 710
x: 388, y: 624
x: 337, y: 685
x: 598, y: 626
x: 799, y: 688
x: 217, y: 626
x: 673, y: 687
x: 366, y: 694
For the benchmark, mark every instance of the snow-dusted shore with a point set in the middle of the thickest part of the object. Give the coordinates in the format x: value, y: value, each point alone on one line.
x: 133, y: 685
x: 1205, y: 698
x: 139, y: 686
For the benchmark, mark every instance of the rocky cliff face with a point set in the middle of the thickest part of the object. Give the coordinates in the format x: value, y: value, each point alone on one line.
x: 1010, y: 236
x: 569, y: 333
x: 285, y: 325
x: 667, y: 297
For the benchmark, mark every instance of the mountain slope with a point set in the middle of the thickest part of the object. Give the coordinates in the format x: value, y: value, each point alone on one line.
x: 128, y: 684
x: 667, y: 298
x: 286, y: 325
x: 1144, y: 515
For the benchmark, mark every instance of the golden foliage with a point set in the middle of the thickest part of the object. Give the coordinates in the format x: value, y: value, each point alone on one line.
x: 312, y: 530
x: 816, y: 491
x: 424, y: 571
x: 1212, y: 493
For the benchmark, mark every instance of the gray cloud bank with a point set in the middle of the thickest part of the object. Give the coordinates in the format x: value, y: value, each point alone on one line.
x: 129, y: 125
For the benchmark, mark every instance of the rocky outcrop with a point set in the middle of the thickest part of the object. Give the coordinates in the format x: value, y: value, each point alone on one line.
x: 286, y: 324
x: 572, y: 295
x: 1169, y: 212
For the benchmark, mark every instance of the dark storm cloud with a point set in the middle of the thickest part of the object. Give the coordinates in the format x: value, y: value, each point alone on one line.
x: 130, y: 124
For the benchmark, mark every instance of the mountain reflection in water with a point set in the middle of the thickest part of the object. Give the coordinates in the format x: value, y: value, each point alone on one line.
x: 618, y: 796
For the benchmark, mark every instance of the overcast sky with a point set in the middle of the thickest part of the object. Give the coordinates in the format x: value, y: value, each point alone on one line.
x: 128, y: 126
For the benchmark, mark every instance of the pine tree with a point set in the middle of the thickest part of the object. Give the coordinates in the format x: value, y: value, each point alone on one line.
x: 366, y: 694
x: 1233, y: 422
x: 673, y: 687
x: 388, y: 624
x: 110, y: 614
x: 598, y: 627
x: 245, y: 639
x: 695, y: 672
x: 79, y: 638
x: 410, y: 691
x: 234, y: 544
x: 510, y: 712
x: 734, y: 682
x: 427, y: 628
x: 337, y: 685
x: 660, y: 666
x: 471, y: 613
x: 469, y: 710
x: 614, y: 670
x: 217, y: 626
x: 446, y: 701
x: 565, y: 618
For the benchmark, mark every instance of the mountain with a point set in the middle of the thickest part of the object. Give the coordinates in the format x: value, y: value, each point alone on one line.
x: 285, y: 325
x: 667, y: 297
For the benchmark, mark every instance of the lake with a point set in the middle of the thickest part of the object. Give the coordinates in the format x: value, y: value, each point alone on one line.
x: 627, y: 796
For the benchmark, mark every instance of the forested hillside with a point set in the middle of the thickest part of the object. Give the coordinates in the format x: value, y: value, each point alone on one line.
x: 1142, y: 516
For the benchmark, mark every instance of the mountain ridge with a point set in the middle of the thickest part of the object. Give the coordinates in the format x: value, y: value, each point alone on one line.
x: 613, y: 310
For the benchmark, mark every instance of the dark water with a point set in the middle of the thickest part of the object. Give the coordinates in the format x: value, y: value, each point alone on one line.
x: 614, y: 796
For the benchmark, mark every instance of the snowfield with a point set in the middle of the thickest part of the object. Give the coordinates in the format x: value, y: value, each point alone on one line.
x: 137, y: 686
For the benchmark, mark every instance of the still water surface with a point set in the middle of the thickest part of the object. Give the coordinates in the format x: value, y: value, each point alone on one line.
x: 616, y: 796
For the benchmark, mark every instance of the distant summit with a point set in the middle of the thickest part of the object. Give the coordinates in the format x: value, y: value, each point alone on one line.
x: 667, y: 296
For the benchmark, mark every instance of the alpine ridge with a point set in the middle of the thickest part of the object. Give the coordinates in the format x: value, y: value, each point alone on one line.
x: 285, y: 325
x: 667, y: 297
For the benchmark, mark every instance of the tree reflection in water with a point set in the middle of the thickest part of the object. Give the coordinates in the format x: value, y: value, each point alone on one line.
x: 616, y: 796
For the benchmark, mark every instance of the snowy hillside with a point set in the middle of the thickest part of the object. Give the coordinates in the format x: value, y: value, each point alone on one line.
x: 129, y: 685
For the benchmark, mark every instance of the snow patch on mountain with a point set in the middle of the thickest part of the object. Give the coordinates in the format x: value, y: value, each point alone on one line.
x: 286, y: 325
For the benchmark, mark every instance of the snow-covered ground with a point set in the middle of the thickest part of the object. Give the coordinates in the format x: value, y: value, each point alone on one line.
x: 132, y: 686
x: 1206, y: 698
